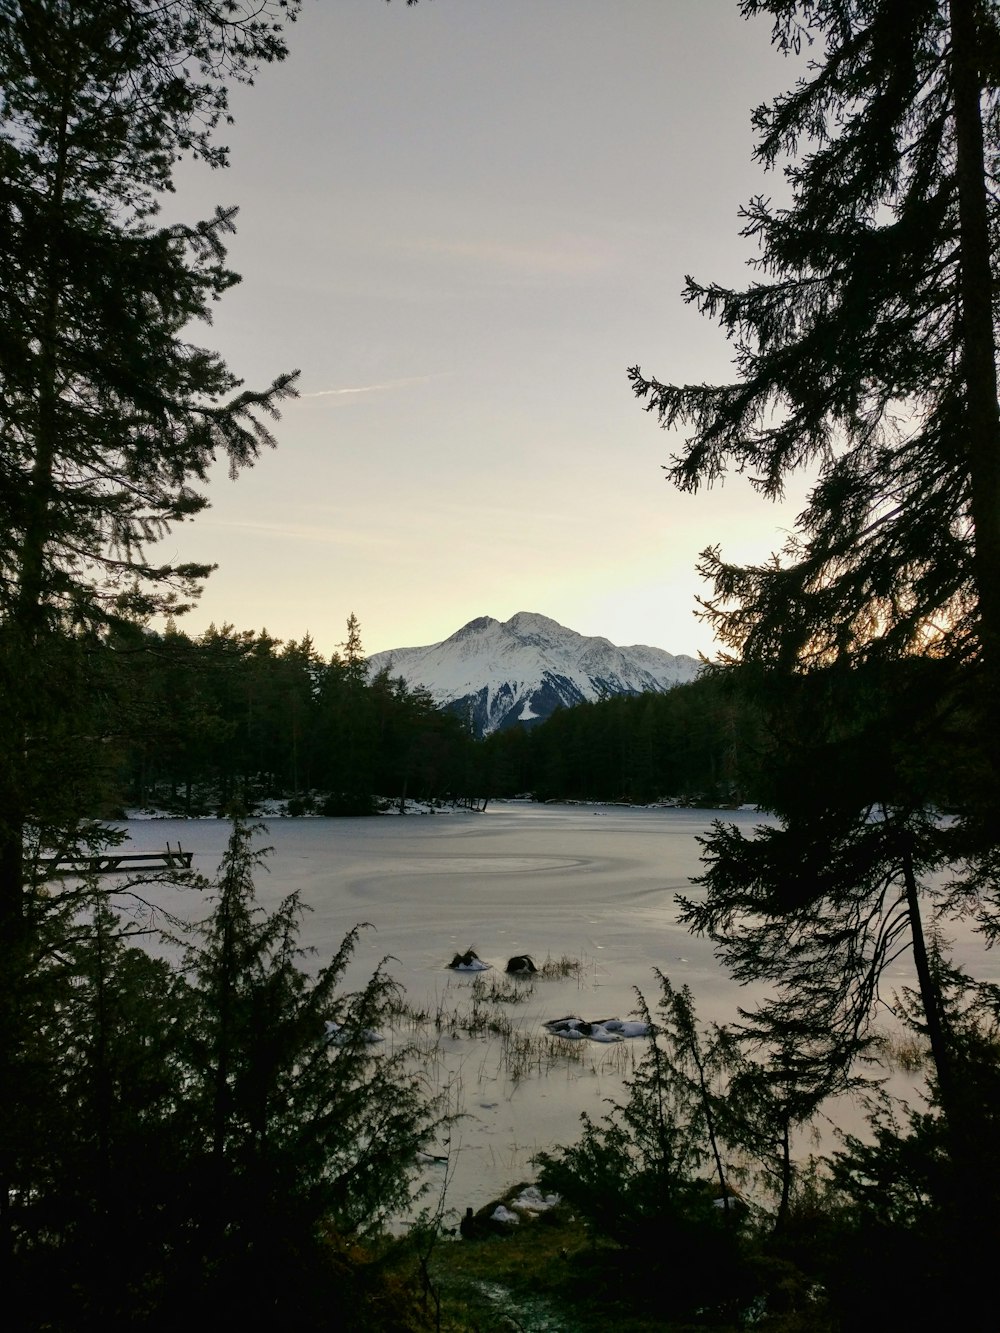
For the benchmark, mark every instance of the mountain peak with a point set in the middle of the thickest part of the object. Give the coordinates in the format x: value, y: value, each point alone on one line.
x: 523, y: 669
x: 530, y: 622
x: 472, y: 628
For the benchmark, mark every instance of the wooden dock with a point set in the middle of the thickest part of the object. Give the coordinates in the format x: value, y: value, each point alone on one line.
x: 117, y: 862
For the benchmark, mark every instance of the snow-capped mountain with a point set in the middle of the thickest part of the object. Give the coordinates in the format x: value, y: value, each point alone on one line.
x: 521, y: 670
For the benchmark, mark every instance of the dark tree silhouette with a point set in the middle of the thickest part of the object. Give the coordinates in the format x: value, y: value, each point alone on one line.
x: 110, y: 414
x: 866, y: 351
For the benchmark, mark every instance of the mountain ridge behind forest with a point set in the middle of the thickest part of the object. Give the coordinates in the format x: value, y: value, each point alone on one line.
x: 501, y: 673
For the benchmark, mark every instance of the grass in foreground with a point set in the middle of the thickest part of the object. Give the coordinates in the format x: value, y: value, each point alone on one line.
x: 546, y: 1276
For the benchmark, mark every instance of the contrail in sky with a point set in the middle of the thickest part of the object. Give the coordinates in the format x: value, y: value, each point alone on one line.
x: 369, y: 388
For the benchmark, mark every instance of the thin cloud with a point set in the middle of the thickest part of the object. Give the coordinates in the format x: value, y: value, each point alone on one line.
x: 371, y: 388
x: 350, y: 538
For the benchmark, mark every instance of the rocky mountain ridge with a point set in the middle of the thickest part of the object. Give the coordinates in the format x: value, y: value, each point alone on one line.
x: 503, y: 673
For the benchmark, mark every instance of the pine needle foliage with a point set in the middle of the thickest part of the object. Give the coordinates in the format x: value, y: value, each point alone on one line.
x: 865, y: 354
x: 276, y: 1083
x: 855, y: 349
x: 191, y: 1128
x: 647, y: 1175
x: 111, y: 412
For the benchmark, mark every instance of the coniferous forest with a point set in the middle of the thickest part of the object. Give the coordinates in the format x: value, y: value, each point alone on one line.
x: 194, y: 1119
x: 231, y: 718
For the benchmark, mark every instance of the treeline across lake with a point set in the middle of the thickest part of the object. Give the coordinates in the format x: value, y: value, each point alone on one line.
x: 698, y: 744
x: 235, y: 716
x: 231, y: 717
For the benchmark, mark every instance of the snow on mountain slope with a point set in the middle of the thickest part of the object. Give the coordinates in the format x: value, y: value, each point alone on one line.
x: 523, y: 669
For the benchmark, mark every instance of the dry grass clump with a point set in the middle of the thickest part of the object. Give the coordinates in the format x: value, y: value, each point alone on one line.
x: 501, y: 988
x: 903, y: 1051
x: 558, y: 969
x: 481, y: 1010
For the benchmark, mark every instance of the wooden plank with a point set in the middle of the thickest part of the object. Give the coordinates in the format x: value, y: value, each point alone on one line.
x: 109, y: 863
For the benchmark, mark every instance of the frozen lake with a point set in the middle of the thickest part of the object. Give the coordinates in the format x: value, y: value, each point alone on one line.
x: 592, y: 883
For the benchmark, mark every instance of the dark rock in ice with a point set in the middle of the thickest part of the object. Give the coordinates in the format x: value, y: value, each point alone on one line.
x: 522, y: 964
x: 468, y: 962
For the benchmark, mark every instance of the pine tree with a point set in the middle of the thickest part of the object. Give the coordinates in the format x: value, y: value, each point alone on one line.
x: 305, y: 1126
x: 110, y: 415
x: 348, y: 724
x: 96, y: 1131
x: 862, y: 352
x: 858, y: 352
x: 648, y: 1173
x: 865, y: 351
x: 216, y: 1125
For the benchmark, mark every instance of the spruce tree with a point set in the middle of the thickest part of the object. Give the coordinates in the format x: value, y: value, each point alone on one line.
x: 306, y: 1127
x: 866, y: 352
x: 219, y: 1125
x: 862, y: 353
x: 857, y: 351
x: 648, y: 1175
x: 110, y: 413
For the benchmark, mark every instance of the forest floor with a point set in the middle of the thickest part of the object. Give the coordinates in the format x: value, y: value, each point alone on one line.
x: 548, y: 1275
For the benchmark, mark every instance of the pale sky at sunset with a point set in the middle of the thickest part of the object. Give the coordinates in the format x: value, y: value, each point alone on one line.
x: 463, y: 221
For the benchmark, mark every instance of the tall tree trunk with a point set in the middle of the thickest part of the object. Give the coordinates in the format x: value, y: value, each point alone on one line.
x: 24, y: 676
x: 930, y: 994
x: 24, y: 681
x: 969, y: 1200
x: 979, y: 370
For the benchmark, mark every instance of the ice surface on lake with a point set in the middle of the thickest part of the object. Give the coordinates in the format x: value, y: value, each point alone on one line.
x: 544, y: 880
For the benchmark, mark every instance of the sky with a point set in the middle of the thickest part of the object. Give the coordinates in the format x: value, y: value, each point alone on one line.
x: 462, y: 222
